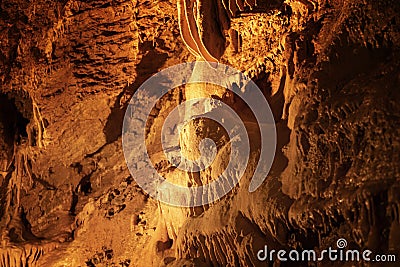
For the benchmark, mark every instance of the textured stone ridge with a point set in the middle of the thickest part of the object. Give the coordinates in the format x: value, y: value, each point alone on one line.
x: 329, y: 69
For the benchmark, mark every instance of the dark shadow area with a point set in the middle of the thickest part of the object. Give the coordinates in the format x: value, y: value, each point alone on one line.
x: 149, y: 65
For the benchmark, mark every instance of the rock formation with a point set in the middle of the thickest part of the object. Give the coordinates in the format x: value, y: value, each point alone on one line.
x: 328, y: 69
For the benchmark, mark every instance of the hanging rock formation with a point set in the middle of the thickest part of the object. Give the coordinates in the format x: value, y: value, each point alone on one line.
x: 329, y: 70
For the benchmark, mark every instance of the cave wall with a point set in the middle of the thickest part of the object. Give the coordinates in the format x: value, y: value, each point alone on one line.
x: 329, y: 70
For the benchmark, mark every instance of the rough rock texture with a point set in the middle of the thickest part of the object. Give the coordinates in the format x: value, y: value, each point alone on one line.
x: 329, y: 69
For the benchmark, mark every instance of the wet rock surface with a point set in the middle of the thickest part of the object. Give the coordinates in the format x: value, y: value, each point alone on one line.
x: 329, y: 69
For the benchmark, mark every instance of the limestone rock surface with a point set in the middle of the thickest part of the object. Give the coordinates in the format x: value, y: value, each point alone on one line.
x: 328, y: 68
